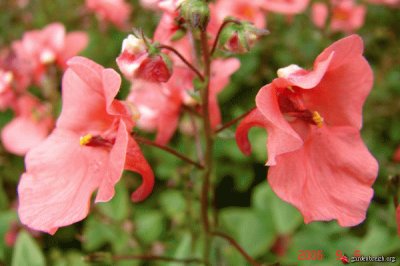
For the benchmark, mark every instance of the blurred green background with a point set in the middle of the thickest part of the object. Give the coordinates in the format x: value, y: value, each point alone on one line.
x: 167, y: 223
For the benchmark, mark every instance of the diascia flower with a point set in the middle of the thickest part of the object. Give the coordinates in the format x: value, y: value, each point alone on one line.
x: 115, y: 11
x: 288, y: 7
x: 346, y: 15
x: 318, y: 161
x: 50, y: 45
x: 160, y: 104
x: 87, y: 151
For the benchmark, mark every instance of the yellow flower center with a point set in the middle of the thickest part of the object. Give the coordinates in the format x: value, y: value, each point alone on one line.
x: 84, y: 140
x: 317, y: 118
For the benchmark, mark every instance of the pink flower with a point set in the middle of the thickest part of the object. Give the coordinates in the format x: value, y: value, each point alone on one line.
x: 319, y: 14
x: 87, y: 151
x: 221, y: 71
x: 346, y: 15
x: 42, y: 48
x: 15, y: 76
x: 241, y: 9
x: 318, y: 161
x: 29, y: 127
x: 158, y: 107
x: 7, y: 96
x: 159, y: 104
x: 115, y: 11
x: 288, y: 7
x: 136, y: 62
x: 149, y: 4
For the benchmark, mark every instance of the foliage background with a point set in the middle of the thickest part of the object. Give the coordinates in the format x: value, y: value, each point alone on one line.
x: 168, y: 222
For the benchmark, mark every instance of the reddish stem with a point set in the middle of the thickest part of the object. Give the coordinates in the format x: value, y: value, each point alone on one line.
x: 226, y: 22
x: 184, y: 60
x: 169, y: 150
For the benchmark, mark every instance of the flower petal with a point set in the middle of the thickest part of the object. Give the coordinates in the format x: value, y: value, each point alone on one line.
x: 74, y: 43
x: 115, y: 165
x: 83, y: 98
x: 21, y: 134
x: 330, y: 178
x: 137, y: 163
x: 281, y: 136
x: 340, y: 95
x: 60, y: 178
x: 253, y: 119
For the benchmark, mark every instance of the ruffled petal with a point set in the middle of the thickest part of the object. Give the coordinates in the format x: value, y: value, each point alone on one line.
x: 60, y: 177
x: 115, y: 165
x: 281, y: 136
x: 253, y: 119
x: 84, y: 98
x: 329, y: 178
x: 310, y: 79
x: 136, y: 162
x: 340, y: 95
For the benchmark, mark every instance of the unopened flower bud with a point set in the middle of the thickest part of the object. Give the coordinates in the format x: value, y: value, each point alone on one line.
x: 141, y: 59
x: 196, y: 13
x: 240, y: 38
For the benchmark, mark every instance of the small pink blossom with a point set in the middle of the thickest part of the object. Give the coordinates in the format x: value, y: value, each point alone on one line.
x: 159, y: 104
x: 86, y: 152
x: 51, y: 45
x: 319, y: 14
x: 31, y: 124
x: 288, y: 7
x: 346, y: 16
x: 7, y: 96
x: 136, y: 62
x: 115, y: 11
x: 318, y: 161
x: 221, y: 71
x: 149, y: 4
x: 249, y: 11
x: 15, y: 76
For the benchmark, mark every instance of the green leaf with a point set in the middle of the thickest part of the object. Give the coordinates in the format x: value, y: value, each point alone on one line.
x: 173, y: 204
x: 183, y: 249
x: 254, y: 234
x: 150, y: 225
x: 96, y: 234
x: 286, y: 218
x: 27, y: 252
x: 117, y: 208
x: 6, y: 218
x: 379, y: 241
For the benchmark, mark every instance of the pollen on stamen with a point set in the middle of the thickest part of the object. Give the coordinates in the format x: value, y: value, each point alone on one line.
x: 84, y: 140
x: 317, y: 118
